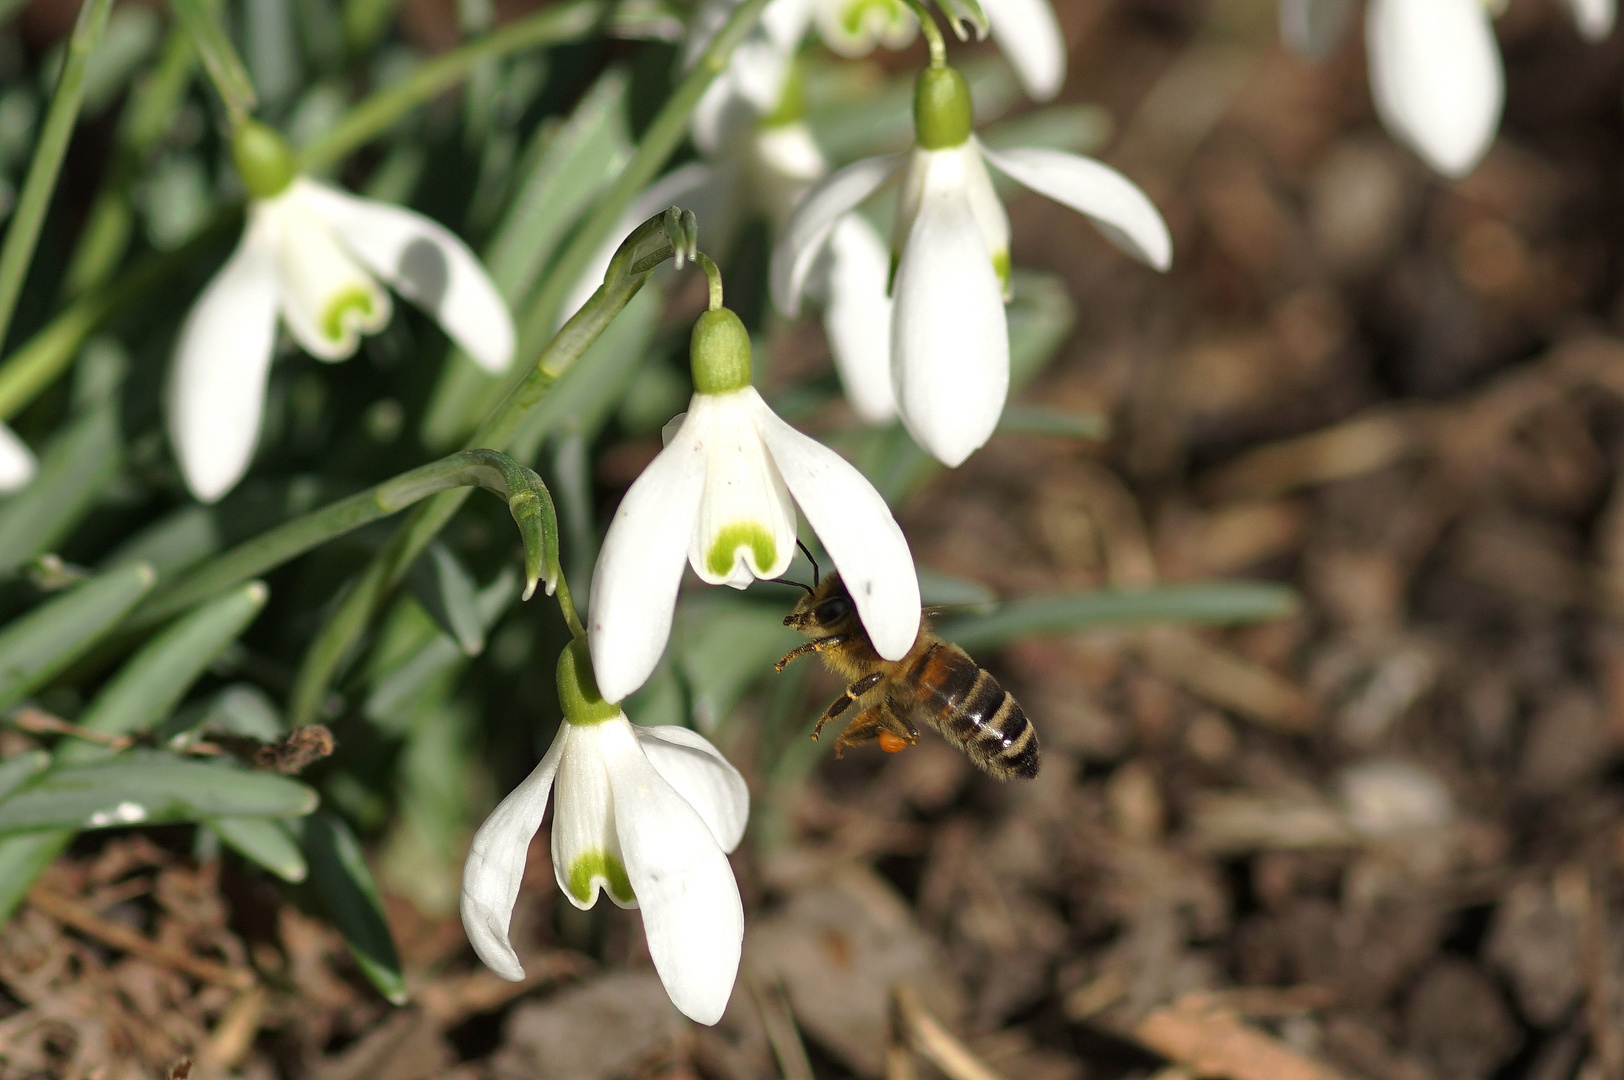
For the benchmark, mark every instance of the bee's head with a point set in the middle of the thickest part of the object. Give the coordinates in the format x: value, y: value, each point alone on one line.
x: 824, y: 610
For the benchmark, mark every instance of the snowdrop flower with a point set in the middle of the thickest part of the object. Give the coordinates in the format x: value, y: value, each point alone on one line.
x: 949, y: 338
x: 646, y: 814
x: 313, y: 255
x: 17, y: 464
x: 1435, y: 68
x: 1026, y: 31
x: 721, y: 496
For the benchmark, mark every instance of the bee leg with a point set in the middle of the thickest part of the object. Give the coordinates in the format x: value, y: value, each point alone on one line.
x: 846, y: 700
x: 810, y: 646
x: 877, y: 722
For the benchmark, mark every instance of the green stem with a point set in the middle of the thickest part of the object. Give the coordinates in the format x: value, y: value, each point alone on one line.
x: 932, y: 32
x: 225, y: 68
x: 713, y: 276
x: 338, y: 636
x: 553, y: 26
x: 531, y: 504
x: 23, y: 234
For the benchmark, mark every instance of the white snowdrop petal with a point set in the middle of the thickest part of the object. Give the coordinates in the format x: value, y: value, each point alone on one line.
x: 216, y: 389
x: 1028, y: 33
x: 746, y: 526
x: 586, y: 848
x: 426, y: 264
x: 857, y: 315
x: 808, y: 227
x: 328, y: 299
x: 1436, y: 77
x: 991, y: 217
x: 692, y: 915
x: 1114, y: 203
x: 17, y: 464
x: 782, y: 162
x: 495, y: 867
x: 674, y: 188
x: 634, y: 585
x: 949, y: 337
x: 856, y: 528
x: 1594, y: 18
x: 702, y: 776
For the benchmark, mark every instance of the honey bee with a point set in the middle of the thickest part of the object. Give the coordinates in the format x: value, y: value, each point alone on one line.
x: 936, y: 684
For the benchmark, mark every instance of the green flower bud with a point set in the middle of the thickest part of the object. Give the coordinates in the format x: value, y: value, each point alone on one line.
x: 719, y: 352
x: 264, y: 159
x: 578, y: 690
x: 942, y: 110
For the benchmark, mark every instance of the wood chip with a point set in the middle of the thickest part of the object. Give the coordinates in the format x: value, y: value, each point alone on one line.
x: 72, y: 913
x: 1212, y: 1042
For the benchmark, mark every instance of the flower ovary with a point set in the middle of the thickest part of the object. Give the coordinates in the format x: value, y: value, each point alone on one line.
x: 942, y: 110
x: 719, y: 353
x: 578, y: 694
x: 263, y: 158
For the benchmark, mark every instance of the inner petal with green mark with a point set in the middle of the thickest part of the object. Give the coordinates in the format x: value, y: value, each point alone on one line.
x: 753, y: 535
x: 604, y: 867
x: 855, y: 15
x: 1000, y: 266
x: 356, y: 299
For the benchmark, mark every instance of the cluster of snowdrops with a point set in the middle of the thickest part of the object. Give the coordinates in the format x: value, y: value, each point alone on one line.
x: 917, y: 327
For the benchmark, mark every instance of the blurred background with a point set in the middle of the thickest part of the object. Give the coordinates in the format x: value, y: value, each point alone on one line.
x: 1380, y: 837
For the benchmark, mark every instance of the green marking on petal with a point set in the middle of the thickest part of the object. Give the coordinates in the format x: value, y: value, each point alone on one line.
x: 1000, y: 266
x: 748, y: 534
x: 600, y: 866
x: 355, y: 298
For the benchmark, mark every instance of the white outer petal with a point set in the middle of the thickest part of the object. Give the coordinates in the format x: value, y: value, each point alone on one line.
x: 1029, y: 34
x: 1114, y: 203
x: 634, y: 585
x: 17, y: 464
x: 216, y: 389
x: 741, y: 488
x: 808, y: 227
x: 857, y: 530
x: 857, y: 316
x: 426, y: 264
x: 949, y: 336
x: 495, y: 867
x: 1436, y: 77
x: 673, y: 188
x: 583, y: 823
x: 1594, y: 18
x: 692, y: 915
x: 702, y: 776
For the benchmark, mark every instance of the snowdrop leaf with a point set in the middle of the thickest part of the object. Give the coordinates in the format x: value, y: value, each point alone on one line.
x: 138, y: 788
x: 14, y: 771
x: 36, y: 646
x: 1210, y: 603
x: 399, y: 683
x: 447, y: 591
x: 76, y: 467
x: 1079, y: 129
x: 1040, y: 420
x: 152, y: 682
x: 264, y: 841
x: 339, y: 874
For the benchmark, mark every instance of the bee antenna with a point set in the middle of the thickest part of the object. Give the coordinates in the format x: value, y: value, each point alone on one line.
x: 786, y: 581
x: 816, y: 573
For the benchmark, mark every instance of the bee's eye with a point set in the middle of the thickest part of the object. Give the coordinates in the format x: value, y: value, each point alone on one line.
x: 832, y: 611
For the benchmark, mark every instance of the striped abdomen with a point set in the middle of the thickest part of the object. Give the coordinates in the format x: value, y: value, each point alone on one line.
x: 974, y: 713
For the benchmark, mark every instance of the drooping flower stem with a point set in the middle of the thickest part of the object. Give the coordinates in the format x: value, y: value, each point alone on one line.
x: 23, y: 233
x: 225, y: 68
x: 932, y: 32
x: 526, y: 495
x: 713, y: 275
x: 335, y: 639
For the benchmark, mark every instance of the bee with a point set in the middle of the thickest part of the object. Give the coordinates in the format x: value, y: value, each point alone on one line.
x: 936, y: 684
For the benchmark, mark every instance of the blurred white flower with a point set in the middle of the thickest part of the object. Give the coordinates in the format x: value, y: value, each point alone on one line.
x: 17, y: 464
x: 646, y: 814
x: 313, y: 255
x: 721, y: 496
x: 949, y: 338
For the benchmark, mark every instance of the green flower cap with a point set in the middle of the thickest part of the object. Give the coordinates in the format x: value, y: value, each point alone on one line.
x: 264, y: 159
x: 578, y: 692
x: 942, y: 109
x: 719, y: 352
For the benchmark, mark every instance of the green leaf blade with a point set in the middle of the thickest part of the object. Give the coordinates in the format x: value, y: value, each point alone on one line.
x: 35, y: 647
